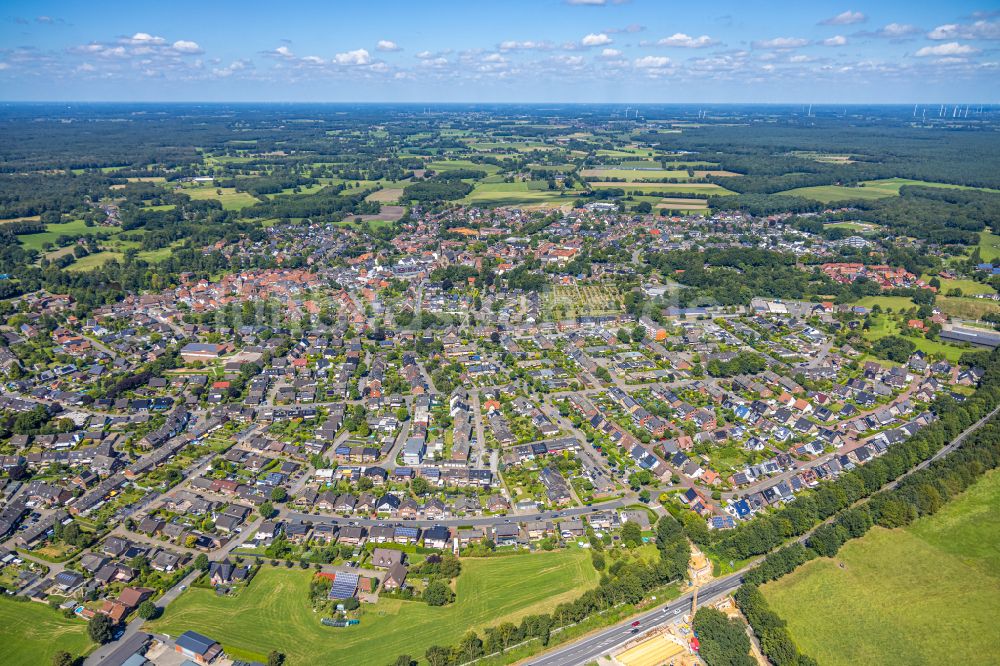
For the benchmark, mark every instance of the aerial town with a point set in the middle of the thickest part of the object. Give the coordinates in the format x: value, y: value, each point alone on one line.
x: 310, y: 382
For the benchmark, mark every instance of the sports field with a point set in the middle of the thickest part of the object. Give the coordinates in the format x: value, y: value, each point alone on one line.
x: 274, y: 612
x: 873, y: 189
x: 927, y: 594
x: 31, y: 633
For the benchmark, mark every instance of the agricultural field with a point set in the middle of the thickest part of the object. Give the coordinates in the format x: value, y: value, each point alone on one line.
x: 926, y: 594
x: 966, y: 308
x: 451, y: 165
x: 274, y: 612
x: 707, y: 189
x: 229, y: 197
x: 989, y: 246
x: 517, y: 194
x: 388, y: 195
x: 54, y: 231
x: 638, y: 174
x: 870, y: 189
x: 94, y: 260
x: 967, y: 286
x: 30, y: 218
x: 828, y: 158
x: 33, y: 633
x: 290, y: 191
x: 679, y: 203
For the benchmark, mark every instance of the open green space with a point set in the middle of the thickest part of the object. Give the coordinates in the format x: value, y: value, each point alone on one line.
x: 514, y: 194
x: 989, y: 246
x: 966, y: 308
x: 884, y: 326
x: 869, y: 189
x: 303, y: 190
x: 897, y: 303
x: 926, y: 594
x: 861, y: 227
x: 54, y: 231
x: 274, y: 612
x: 967, y: 286
x: 451, y: 165
x: 32, y: 633
x: 706, y: 189
x: 94, y: 260
x: 227, y: 196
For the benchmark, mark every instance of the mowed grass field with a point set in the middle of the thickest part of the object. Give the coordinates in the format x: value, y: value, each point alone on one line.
x: 989, y: 246
x: 274, y: 612
x: 31, y: 633
x: 968, y: 287
x: 927, y: 594
x: 230, y: 198
x: 873, y: 189
x: 515, y: 194
x: 54, y: 231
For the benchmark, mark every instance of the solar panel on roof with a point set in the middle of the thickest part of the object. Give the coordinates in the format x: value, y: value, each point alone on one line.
x: 344, y: 585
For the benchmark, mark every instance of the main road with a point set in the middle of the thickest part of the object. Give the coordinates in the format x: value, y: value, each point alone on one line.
x: 469, y: 520
x: 607, y: 640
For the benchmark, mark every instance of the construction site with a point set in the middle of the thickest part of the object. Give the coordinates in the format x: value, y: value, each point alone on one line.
x: 674, y: 643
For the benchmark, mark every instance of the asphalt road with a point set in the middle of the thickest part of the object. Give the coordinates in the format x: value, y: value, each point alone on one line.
x: 590, y: 648
x: 470, y: 520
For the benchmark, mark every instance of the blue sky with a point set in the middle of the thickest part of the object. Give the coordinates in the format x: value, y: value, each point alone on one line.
x: 502, y: 51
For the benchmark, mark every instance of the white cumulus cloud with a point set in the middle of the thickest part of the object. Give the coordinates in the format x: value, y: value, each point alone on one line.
x: 685, y: 41
x: 898, y: 30
x: 186, y: 46
x: 845, y: 18
x: 948, y: 49
x: 387, y: 45
x: 977, y: 30
x: 144, y: 38
x: 528, y: 45
x: 355, y: 57
x: 595, y: 39
x: 652, y: 62
x: 781, y: 43
x: 610, y: 53
x: 836, y: 40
